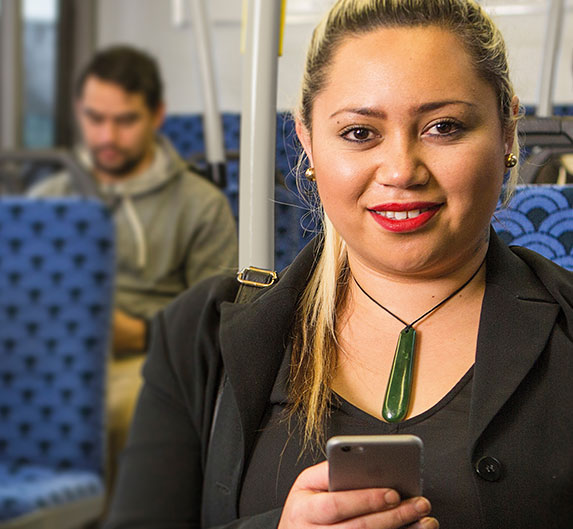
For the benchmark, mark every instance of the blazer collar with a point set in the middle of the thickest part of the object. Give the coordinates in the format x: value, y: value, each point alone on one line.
x: 517, y: 317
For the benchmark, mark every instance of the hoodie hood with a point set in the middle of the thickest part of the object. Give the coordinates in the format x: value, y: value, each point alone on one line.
x: 165, y: 165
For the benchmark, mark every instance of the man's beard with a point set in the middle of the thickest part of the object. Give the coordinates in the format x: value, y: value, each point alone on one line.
x: 120, y: 170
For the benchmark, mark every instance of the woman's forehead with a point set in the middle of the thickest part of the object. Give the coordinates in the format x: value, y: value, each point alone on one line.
x: 414, y: 63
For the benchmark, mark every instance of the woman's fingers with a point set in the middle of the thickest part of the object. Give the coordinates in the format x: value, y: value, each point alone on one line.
x: 314, y: 478
x: 310, y: 505
x: 408, y: 513
x: 425, y: 523
x: 333, y: 507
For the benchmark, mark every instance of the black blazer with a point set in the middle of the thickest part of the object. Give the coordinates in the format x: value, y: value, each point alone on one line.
x: 520, y: 418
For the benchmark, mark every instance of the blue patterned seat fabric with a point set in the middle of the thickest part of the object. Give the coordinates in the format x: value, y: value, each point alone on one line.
x: 293, y: 224
x: 27, y: 488
x: 540, y: 217
x: 56, y: 288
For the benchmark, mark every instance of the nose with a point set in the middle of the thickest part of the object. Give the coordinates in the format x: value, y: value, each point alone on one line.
x: 107, y: 131
x: 401, y: 164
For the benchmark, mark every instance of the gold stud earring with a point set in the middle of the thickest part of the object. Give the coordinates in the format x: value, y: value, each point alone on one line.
x: 510, y: 160
x: 310, y: 174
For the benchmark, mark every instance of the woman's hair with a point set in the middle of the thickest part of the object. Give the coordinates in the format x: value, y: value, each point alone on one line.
x: 315, y: 341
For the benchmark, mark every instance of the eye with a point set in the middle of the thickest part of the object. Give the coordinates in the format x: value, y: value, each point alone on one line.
x: 127, y: 120
x: 94, y: 118
x: 445, y: 127
x: 357, y: 134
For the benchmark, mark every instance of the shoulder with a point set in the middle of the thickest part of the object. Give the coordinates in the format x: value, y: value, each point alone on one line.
x: 57, y: 185
x: 184, y: 352
x: 198, y: 309
x: 557, y: 280
x: 198, y: 189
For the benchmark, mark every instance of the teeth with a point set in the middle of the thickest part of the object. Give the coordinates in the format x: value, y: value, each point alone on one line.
x: 402, y: 215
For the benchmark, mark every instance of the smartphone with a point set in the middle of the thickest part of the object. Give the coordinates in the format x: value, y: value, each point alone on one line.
x: 376, y: 461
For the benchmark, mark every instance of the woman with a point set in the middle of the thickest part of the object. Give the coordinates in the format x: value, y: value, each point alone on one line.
x: 407, y: 118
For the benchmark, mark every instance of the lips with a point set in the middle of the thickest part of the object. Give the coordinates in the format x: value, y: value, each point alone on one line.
x: 404, y: 217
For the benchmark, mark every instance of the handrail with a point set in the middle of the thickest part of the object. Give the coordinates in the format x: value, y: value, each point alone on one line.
x: 548, y: 137
x: 546, y: 131
x: 82, y: 180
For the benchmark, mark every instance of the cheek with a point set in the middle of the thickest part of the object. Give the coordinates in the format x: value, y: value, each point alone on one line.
x: 475, y: 175
x: 339, y: 178
x: 132, y: 138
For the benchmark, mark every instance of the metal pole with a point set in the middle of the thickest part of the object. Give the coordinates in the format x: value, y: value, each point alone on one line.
x: 258, y: 135
x: 550, y: 54
x: 212, y: 126
x: 10, y: 75
x: 178, y: 14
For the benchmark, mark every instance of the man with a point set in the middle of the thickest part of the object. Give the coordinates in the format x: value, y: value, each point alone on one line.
x: 173, y: 228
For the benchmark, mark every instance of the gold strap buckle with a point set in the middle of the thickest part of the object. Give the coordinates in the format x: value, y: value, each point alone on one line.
x: 269, y: 277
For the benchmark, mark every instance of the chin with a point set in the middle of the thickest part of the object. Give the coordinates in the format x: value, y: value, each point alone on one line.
x: 118, y: 171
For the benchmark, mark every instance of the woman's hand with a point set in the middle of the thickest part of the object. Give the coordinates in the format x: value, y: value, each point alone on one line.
x: 309, y: 505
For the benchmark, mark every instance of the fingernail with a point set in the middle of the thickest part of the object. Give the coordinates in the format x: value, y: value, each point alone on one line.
x: 391, y: 498
x: 422, y: 506
x: 430, y: 523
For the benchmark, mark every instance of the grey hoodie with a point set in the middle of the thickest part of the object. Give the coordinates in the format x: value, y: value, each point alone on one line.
x: 173, y: 228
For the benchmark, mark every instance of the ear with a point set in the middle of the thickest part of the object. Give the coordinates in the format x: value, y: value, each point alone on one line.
x: 305, y: 139
x: 510, y: 133
x: 159, y: 116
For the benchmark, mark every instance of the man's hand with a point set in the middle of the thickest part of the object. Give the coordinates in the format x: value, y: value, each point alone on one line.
x: 129, y: 333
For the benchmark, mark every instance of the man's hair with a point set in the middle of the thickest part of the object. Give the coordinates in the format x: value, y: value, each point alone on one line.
x: 133, y: 70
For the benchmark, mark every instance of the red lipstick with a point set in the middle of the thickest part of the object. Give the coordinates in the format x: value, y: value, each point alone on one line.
x: 404, y: 217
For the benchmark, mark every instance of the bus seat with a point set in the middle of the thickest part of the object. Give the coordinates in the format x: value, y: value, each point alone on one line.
x: 540, y: 217
x: 293, y: 225
x: 56, y: 289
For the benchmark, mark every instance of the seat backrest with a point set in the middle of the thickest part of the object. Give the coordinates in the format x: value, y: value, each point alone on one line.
x: 294, y: 226
x: 56, y: 292
x: 540, y: 217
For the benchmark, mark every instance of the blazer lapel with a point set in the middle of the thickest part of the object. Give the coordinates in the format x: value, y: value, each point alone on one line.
x: 517, y: 317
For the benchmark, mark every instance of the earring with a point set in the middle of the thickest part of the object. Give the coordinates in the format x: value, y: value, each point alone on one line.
x: 310, y: 174
x: 510, y: 160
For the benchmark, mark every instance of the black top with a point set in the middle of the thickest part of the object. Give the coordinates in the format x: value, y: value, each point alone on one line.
x: 179, y: 470
x: 275, y: 461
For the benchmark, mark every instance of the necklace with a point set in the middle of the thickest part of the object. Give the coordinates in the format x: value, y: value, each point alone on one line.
x: 399, y: 388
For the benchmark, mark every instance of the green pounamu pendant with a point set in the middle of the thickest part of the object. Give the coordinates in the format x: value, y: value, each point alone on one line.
x: 399, y: 388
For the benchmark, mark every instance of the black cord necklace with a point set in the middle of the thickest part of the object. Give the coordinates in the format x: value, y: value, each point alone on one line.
x: 399, y: 388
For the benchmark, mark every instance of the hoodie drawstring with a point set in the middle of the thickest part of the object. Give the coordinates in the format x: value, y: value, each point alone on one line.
x: 137, y: 231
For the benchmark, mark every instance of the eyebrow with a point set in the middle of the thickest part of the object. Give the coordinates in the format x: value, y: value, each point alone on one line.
x: 434, y: 105
x: 425, y: 107
x: 128, y: 116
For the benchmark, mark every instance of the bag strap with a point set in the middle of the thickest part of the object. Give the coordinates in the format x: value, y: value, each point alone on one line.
x: 251, y: 281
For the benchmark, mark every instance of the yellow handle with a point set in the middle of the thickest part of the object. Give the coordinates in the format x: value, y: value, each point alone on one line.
x: 282, y: 28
